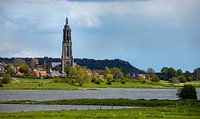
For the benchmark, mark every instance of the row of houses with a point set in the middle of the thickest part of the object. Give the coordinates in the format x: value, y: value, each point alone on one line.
x: 38, y: 71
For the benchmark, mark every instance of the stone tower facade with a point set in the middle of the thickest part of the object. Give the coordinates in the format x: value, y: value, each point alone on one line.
x: 67, y: 58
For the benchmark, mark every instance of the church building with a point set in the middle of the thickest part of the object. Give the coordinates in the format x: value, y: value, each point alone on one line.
x: 67, y: 58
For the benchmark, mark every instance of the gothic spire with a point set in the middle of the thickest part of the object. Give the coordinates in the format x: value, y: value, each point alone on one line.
x: 66, y: 20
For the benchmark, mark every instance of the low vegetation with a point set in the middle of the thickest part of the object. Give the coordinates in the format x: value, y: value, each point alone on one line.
x: 5, y: 79
x: 67, y: 84
x: 167, y: 109
x: 112, y: 102
x: 187, y: 92
x: 81, y: 77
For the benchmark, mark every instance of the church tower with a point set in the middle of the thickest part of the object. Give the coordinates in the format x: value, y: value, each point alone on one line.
x: 67, y: 58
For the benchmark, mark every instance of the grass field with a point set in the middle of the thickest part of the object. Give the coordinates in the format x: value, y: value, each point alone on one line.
x: 183, y: 112
x: 166, y: 109
x: 46, y: 84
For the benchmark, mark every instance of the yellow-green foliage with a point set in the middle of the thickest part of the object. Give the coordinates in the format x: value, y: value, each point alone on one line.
x: 80, y: 75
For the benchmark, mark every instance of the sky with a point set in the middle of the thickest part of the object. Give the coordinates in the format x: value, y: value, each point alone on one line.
x: 146, y: 33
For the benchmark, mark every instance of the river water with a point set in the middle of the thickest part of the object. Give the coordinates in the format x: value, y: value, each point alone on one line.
x: 101, y: 93
x: 29, y: 107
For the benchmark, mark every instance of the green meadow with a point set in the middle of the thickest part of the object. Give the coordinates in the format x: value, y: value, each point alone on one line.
x: 165, y: 109
x: 47, y: 84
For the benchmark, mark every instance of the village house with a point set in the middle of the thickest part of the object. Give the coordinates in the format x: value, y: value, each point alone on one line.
x: 39, y: 72
x: 2, y: 68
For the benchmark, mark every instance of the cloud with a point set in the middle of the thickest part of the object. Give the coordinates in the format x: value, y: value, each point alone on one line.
x: 90, y: 14
x: 140, y: 31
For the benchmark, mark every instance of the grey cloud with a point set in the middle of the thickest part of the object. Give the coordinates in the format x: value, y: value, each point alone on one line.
x: 107, y: 0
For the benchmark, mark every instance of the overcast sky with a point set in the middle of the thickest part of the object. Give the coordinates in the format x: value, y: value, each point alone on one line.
x: 147, y: 33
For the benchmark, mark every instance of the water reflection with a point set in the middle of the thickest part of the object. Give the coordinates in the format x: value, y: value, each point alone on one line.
x: 105, y: 93
x: 28, y: 107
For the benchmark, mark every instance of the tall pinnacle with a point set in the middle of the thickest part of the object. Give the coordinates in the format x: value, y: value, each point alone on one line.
x: 67, y: 20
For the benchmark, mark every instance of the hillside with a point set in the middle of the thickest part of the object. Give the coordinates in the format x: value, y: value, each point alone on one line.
x: 100, y: 65
x: 89, y: 63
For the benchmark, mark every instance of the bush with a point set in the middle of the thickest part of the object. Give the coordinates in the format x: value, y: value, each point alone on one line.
x: 190, y: 78
x: 182, y: 79
x: 48, y: 77
x: 174, y: 80
x: 109, y: 77
x: 123, y: 82
x: 143, y: 81
x: 61, y: 80
x: 93, y: 80
x: 141, y: 78
x: 187, y: 92
x: 97, y: 81
x: 155, y: 78
x: 109, y: 82
x: 56, y: 80
x: 1, y: 85
x: 6, y: 78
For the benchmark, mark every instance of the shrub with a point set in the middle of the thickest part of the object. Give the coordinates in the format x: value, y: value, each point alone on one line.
x: 190, y: 78
x: 1, y: 85
x: 141, y: 78
x: 123, y: 82
x: 56, y: 80
x: 97, y: 81
x: 187, y: 92
x: 143, y: 81
x: 109, y: 82
x: 155, y: 78
x: 6, y: 78
x: 61, y: 80
x: 109, y: 77
x: 174, y: 80
x: 33, y: 77
x: 48, y: 77
x: 182, y: 79
x: 93, y: 80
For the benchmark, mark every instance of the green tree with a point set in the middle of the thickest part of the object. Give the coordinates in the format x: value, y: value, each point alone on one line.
x: 174, y: 80
x: 182, y: 79
x: 167, y: 73
x: 164, y: 73
x: 107, y: 70
x: 141, y: 78
x: 67, y: 70
x: 18, y: 62
x: 1, y: 85
x: 117, y: 73
x: 197, y: 74
x: 187, y: 92
x: 33, y: 63
x: 179, y: 72
x: 10, y: 70
x: 171, y: 72
x: 79, y: 74
x: 6, y: 78
x: 150, y: 73
x: 155, y: 78
x: 189, y: 76
x: 23, y: 68
x: 109, y: 78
